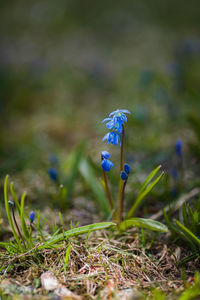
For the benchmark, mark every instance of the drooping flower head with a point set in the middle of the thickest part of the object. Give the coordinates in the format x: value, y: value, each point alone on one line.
x: 179, y: 148
x: 116, y: 120
x: 112, y: 137
x: 106, y: 165
x: 32, y: 216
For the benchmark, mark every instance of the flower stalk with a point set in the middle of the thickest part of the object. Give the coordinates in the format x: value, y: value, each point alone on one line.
x: 121, y: 201
x: 16, y: 225
x: 106, y: 166
x: 110, y: 201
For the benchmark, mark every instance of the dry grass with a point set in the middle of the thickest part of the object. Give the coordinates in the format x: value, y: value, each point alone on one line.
x: 100, y: 265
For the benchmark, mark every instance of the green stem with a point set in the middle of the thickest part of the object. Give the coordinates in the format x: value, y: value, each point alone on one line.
x: 107, y: 190
x: 120, y: 199
x: 121, y: 202
x: 19, y: 232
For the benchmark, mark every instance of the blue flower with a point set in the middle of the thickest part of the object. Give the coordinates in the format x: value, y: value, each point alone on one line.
x: 123, y: 175
x: 32, y: 216
x: 127, y: 168
x: 106, y: 165
x: 117, y: 120
x: 112, y: 137
x: 178, y: 148
x: 53, y: 174
x: 105, y: 154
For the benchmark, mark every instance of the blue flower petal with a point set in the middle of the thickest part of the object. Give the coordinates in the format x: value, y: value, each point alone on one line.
x: 106, y: 165
x: 105, y: 154
x: 106, y: 119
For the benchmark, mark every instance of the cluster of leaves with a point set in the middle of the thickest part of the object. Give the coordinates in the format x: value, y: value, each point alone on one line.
x: 187, y: 228
x: 23, y: 240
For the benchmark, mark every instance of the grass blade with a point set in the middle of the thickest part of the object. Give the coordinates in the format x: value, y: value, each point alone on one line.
x: 9, y: 214
x: 188, y: 233
x: 88, y: 174
x: 17, y: 205
x: 142, y: 195
x: 23, y: 223
x: 148, y: 179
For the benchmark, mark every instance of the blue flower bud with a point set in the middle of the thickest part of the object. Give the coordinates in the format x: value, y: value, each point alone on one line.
x: 123, y: 175
x: 127, y: 168
x: 105, y: 154
x: 32, y: 216
x: 53, y: 174
x: 11, y: 203
x: 178, y: 148
x: 106, y: 165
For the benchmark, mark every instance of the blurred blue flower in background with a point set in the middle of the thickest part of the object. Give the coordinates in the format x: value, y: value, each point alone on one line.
x: 178, y: 148
x: 32, y: 216
x: 53, y: 174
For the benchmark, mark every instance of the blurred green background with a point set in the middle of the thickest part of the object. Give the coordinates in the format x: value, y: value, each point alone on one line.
x: 64, y: 65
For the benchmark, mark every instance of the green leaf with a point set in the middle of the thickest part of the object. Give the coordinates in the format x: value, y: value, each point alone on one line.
x: 77, y: 231
x: 188, y: 258
x: 188, y: 233
x: 148, y: 179
x: 143, y: 223
x: 185, y: 215
x: 67, y: 254
x: 142, y: 195
x: 88, y: 174
x: 23, y: 223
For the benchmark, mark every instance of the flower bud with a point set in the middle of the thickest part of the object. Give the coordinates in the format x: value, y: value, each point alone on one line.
x: 105, y: 154
x: 11, y: 203
x: 127, y: 168
x: 32, y: 216
x: 123, y: 175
